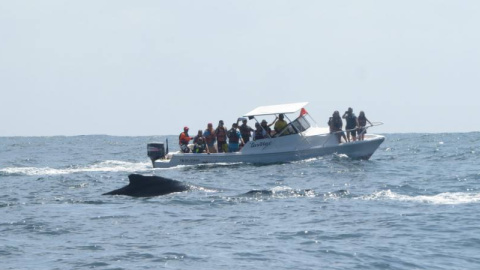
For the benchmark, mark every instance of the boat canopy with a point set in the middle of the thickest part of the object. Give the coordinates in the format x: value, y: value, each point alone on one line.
x: 277, y: 109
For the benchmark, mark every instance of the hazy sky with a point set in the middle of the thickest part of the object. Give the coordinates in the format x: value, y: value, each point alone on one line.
x: 152, y: 67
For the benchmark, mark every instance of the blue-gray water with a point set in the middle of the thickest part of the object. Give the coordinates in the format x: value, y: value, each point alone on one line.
x: 414, y: 205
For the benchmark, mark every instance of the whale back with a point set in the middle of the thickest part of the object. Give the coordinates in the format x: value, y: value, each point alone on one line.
x: 147, y: 186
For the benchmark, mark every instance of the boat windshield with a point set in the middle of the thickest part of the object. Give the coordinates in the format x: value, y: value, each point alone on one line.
x: 296, y: 126
x: 300, y: 124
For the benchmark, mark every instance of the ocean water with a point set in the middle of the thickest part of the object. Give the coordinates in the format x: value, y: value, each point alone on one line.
x: 414, y: 205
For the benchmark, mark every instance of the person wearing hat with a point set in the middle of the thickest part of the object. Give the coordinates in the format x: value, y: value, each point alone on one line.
x: 221, y: 135
x: 210, y: 138
x: 183, y: 140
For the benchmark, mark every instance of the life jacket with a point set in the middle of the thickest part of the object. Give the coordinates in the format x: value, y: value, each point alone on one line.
x: 183, y: 138
x: 221, y: 134
x: 245, y: 131
x: 233, y: 136
x: 199, y: 148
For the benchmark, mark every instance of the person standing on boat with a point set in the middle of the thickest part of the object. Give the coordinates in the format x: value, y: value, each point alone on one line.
x: 361, y: 123
x: 210, y: 138
x: 184, y: 139
x: 221, y: 135
x: 351, y: 125
x: 234, y: 138
x: 280, y: 125
x: 245, y: 130
x: 336, y: 124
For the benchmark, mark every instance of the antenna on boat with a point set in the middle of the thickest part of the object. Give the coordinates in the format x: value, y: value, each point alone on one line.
x: 166, y: 142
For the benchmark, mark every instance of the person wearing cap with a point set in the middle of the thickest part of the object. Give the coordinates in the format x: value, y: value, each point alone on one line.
x: 210, y: 138
x: 184, y: 139
x: 221, y: 135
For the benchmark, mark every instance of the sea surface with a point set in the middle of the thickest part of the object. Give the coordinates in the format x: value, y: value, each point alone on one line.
x: 414, y: 205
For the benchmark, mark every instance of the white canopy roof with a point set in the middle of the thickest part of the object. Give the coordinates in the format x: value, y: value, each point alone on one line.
x: 277, y: 109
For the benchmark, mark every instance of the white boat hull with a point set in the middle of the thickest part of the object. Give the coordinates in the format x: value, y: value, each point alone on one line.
x: 278, y: 150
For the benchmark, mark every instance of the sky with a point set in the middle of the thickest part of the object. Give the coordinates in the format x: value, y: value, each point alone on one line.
x: 152, y: 67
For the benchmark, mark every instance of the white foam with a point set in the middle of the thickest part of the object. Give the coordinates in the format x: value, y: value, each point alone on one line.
x: 441, y: 198
x: 104, y: 166
x: 279, y: 189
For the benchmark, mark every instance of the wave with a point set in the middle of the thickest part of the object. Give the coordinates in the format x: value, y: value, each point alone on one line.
x: 287, y: 192
x: 104, y: 166
x: 441, y: 198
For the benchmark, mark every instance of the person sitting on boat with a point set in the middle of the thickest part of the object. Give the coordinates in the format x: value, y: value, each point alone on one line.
x: 267, y: 128
x: 361, y: 123
x: 280, y: 125
x: 184, y: 139
x: 200, y: 146
x: 210, y: 139
x: 336, y: 124
x: 259, y: 132
x: 221, y: 135
x: 245, y: 130
x: 351, y: 125
x: 234, y: 138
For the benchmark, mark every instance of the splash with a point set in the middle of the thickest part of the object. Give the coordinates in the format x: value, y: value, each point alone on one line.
x: 441, y: 198
x: 104, y: 166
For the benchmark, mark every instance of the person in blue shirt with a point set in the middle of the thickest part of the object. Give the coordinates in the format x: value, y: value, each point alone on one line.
x: 210, y: 138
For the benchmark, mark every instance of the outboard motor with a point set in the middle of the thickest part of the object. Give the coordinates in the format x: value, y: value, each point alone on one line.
x: 155, y: 151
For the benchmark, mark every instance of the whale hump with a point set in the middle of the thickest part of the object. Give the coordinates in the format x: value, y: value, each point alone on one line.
x: 148, y: 186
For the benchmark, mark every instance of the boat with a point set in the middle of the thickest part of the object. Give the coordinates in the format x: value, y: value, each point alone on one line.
x: 299, y: 140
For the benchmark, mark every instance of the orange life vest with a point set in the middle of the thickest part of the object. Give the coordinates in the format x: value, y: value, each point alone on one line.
x: 183, y: 138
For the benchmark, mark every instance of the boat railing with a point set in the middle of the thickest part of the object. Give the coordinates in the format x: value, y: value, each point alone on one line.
x: 373, y: 124
x: 363, y: 130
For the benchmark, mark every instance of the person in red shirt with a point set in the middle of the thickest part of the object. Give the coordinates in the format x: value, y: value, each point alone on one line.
x: 183, y: 140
